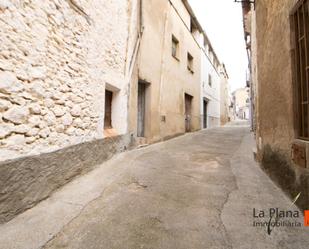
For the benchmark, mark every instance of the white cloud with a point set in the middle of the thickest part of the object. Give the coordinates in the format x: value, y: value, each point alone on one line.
x: 222, y: 21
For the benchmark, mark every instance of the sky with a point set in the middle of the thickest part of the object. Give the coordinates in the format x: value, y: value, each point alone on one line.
x: 222, y: 22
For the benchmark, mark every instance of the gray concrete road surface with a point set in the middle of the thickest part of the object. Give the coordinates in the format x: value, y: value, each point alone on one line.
x: 196, y: 191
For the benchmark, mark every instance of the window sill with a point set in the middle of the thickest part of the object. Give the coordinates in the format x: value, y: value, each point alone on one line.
x: 175, y: 57
x: 190, y: 70
x: 301, y: 140
x: 110, y: 132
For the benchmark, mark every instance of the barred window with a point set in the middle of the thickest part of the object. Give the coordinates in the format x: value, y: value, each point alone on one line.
x: 300, y: 22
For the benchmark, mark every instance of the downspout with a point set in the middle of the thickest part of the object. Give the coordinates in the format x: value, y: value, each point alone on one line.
x: 134, y: 56
x: 162, y: 66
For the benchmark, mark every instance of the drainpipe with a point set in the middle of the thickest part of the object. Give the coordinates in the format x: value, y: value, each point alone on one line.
x: 135, y: 53
x: 162, y: 65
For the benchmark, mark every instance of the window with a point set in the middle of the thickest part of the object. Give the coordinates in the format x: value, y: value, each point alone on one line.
x: 175, y: 47
x: 190, y: 60
x: 211, y: 56
x: 209, y: 80
x: 300, y: 22
x: 108, y: 110
x: 193, y: 26
x: 206, y: 46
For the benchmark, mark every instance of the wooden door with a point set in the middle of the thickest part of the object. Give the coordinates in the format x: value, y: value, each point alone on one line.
x: 141, y: 109
x: 188, y: 112
x: 108, y: 109
x: 205, y: 114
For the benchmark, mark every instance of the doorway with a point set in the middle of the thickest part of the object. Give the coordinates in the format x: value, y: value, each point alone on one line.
x: 141, y: 107
x: 188, y: 112
x: 108, y: 109
x: 205, y: 103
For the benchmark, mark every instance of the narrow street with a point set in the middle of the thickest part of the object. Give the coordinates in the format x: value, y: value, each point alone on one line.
x: 194, y: 191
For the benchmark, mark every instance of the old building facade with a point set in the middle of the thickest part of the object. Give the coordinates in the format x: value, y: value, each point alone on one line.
x: 58, y: 62
x: 279, y: 79
x: 211, y: 83
x: 241, y: 103
x: 169, y: 72
x: 83, y: 80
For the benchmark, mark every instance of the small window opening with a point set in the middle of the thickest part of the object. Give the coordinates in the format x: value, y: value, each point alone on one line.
x: 175, y: 47
x: 190, y: 62
x: 108, y: 110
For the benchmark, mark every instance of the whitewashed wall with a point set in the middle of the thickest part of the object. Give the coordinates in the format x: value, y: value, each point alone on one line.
x: 212, y: 93
x: 54, y: 64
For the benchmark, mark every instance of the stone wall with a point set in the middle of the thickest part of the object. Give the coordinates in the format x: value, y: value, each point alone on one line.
x: 55, y: 59
x: 25, y: 182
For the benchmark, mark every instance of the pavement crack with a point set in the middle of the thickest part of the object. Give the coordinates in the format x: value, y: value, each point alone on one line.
x: 72, y: 203
x: 234, y: 188
x: 83, y: 207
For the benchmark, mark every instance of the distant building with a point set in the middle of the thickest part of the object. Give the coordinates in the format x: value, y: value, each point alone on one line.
x: 210, y: 84
x: 241, y: 103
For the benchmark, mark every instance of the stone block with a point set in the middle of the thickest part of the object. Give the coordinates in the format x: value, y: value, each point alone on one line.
x: 9, y: 83
x: 4, y: 105
x: 17, y: 114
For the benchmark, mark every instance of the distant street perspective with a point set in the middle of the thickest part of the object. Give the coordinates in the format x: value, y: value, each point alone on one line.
x: 196, y: 191
x: 154, y: 124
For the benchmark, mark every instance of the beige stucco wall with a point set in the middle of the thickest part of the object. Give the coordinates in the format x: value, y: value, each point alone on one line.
x: 241, y: 104
x: 54, y: 65
x: 272, y: 76
x: 224, y: 99
x: 241, y: 96
x: 275, y: 93
x: 168, y: 78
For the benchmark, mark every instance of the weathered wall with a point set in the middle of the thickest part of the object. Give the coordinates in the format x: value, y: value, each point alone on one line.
x: 54, y: 64
x: 25, y: 182
x: 168, y: 78
x: 274, y: 73
x: 274, y: 104
x: 224, y: 98
x: 56, y: 60
x: 254, y: 73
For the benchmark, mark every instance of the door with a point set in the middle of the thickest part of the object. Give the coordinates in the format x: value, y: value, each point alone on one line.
x: 205, y: 113
x: 108, y: 109
x: 141, y: 102
x: 188, y: 112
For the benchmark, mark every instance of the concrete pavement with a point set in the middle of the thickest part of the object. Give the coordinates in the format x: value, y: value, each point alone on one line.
x: 196, y: 191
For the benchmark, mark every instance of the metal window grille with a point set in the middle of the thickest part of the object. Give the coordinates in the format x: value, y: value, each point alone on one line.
x: 300, y: 22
